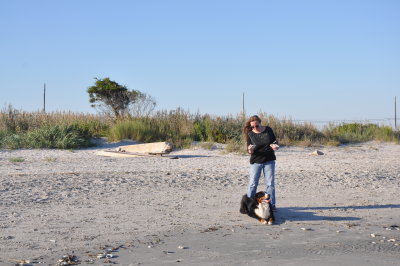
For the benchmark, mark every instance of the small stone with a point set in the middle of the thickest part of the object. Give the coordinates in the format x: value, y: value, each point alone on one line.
x: 101, y: 256
x: 168, y: 252
x: 317, y: 152
x: 373, y: 235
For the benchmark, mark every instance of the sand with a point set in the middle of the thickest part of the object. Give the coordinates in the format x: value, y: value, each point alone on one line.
x: 342, y: 207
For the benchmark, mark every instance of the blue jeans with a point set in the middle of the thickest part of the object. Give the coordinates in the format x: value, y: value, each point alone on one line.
x: 269, y: 175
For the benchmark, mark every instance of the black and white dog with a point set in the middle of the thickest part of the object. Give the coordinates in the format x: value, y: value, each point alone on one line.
x: 258, y: 207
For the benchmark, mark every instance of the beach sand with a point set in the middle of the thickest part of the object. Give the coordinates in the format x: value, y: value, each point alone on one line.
x: 342, y: 207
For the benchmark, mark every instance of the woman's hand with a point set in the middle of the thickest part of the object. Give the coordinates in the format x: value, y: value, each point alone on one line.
x: 275, y: 147
x: 250, y: 148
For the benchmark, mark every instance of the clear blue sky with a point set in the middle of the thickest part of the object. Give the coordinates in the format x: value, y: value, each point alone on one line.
x: 299, y: 59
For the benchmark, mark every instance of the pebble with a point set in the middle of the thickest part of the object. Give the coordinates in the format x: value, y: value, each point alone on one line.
x: 68, y: 260
x: 101, y: 256
x: 317, y: 152
x: 168, y: 252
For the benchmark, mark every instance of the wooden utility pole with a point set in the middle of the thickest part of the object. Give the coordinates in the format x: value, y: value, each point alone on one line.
x: 44, y: 98
x: 243, y: 104
x: 395, y: 114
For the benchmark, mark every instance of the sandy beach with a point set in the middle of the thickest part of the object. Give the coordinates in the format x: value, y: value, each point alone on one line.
x: 342, y: 207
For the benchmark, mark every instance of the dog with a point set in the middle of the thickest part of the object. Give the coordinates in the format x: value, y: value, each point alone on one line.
x: 258, y: 207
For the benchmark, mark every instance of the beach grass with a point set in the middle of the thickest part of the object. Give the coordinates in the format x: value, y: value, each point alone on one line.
x: 68, y: 130
x: 61, y: 130
x: 16, y: 159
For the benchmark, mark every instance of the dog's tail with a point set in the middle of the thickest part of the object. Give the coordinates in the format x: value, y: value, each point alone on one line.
x: 243, y: 205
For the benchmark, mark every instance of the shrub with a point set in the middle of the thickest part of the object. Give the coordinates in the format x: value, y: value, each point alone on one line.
x: 12, y: 141
x: 236, y: 146
x: 59, y: 137
x: 355, y: 132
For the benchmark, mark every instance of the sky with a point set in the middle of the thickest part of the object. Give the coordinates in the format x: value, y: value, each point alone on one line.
x: 313, y: 60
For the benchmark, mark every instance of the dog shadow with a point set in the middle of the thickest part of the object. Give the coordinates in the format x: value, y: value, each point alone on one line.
x: 311, y: 213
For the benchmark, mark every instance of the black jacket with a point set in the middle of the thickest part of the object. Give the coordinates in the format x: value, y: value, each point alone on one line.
x: 262, y: 152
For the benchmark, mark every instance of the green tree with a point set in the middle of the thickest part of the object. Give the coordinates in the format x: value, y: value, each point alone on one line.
x: 111, y: 97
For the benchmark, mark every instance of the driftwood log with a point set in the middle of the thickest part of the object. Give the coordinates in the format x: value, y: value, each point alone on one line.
x: 146, y: 149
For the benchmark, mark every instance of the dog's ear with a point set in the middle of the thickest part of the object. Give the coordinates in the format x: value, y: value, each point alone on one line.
x: 260, y: 194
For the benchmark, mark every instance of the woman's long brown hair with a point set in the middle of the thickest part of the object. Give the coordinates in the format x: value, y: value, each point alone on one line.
x: 247, y: 127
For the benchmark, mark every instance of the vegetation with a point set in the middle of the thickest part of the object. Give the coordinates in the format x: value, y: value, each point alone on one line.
x: 20, y: 129
x: 116, y: 100
x: 355, y: 132
x: 16, y: 159
x: 51, y: 159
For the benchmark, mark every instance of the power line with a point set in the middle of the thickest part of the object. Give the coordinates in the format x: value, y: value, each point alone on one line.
x: 342, y: 120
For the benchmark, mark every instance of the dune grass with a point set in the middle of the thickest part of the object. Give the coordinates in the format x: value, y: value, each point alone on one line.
x: 16, y: 159
x: 61, y: 130
x: 355, y: 132
x: 66, y: 130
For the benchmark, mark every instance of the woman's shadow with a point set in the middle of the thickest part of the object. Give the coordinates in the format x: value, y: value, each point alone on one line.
x: 311, y: 213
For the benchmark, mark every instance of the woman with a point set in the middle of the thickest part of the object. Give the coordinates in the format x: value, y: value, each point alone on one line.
x: 261, y: 144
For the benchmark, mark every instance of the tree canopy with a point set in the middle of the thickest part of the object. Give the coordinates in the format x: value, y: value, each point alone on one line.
x: 117, y: 100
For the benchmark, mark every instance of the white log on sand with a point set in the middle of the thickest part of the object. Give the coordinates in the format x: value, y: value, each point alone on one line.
x: 155, y: 148
x: 148, y: 148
